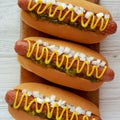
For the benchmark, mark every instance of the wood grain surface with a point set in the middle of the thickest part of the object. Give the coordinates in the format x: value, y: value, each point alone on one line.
x: 109, y: 97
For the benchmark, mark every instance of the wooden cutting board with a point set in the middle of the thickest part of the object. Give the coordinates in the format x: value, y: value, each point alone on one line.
x: 26, y: 76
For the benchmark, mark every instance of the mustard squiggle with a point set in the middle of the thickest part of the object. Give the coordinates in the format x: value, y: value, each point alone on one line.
x: 49, y: 110
x: 79, y: 68
x: 73, y: 17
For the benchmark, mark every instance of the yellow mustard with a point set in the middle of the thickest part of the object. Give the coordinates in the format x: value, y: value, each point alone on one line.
x: 79, y: 68
x: 49, y: 113
x: 73, y: 18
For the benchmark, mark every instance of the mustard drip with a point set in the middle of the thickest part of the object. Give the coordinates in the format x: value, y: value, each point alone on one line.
x: 73, y: 17
x: 49, y: 113
x: 79, y: 68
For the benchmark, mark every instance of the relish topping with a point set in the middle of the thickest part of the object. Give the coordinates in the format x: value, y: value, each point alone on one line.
x: 77, y: 14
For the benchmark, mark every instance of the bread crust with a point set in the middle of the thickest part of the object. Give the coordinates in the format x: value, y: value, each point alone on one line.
x: 62, y: 31
x: 58, y: 77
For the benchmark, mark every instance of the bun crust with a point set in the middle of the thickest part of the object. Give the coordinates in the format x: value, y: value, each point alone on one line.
x: 57, y: 77
x: 62, y: 31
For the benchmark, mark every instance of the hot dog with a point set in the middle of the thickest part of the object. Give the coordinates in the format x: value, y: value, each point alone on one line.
x: 43, y: 102
x: 79, y: 21
x: 64, y: 63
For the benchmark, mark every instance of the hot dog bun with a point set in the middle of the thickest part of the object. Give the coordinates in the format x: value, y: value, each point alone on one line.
x: 68, y: 32
x: 55, y: 75
x: 48, y: 91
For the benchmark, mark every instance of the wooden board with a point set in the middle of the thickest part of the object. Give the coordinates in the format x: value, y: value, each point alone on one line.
x: 27, y: 76
x: 94, y: 1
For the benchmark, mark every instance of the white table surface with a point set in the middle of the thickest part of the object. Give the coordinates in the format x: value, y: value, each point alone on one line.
x: 10, y: 69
